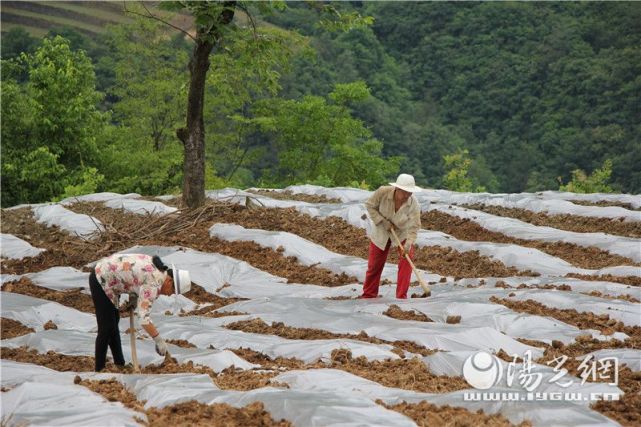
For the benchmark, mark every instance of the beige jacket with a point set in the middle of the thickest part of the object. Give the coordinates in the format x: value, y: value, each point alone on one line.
x: 408, y: 218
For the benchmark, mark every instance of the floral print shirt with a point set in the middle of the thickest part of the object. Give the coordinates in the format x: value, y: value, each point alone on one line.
x: 131, y: 273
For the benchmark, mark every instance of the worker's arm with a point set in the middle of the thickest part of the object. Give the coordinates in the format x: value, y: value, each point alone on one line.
x: 150, y: 329
x: 146, y: 296
x: 372, y: 205
x: 161, y: 345
x: 414, y: 222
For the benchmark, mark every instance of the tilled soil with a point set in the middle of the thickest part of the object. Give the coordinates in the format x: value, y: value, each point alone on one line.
x: 10, y: 328
x: 123, y: 228
x: 288, y: 195
x: 627, y: 410
x: 73, y: 298
x: 334, y: 233
x: 62, y: 249
x: 181, y: 343
x: 626, y: 297
x: 628, y: 280
x: 502, y: 284
x: 396, y: 312
x: 186, y: 414
x: 83, y: 302
x: 279, y: 363
x: 426, y: 414
x: 408, y: 374
x: 199, y: 295
x: 605, y: 203
x: 579, y: 224
x: 466, y: 229
x: 209, y: 311
x: 339, y: 236
x: 198, y: 414
x: 258, y: 326
x: 582, y: 320
x: 229, y: 379
x: 197, y: 237
x: 53, y: 360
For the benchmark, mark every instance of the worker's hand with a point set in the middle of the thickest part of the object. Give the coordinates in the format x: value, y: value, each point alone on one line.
x: 389, y: 225
x: 129, y: 305
x: 161, y: 345
x: 408, y: 246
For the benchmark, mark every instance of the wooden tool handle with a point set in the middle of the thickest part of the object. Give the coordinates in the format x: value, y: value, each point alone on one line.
x: 407, y: 257
x: 132, y: 337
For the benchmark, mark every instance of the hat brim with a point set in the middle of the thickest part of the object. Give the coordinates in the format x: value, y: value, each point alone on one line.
x: 409, y: 189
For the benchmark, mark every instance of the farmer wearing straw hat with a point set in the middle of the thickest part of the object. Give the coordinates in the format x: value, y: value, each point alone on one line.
x: 392, y: 208
x: 144, y: 278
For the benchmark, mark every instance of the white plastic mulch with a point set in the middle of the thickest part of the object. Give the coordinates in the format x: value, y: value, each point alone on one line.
x: 321, y: 397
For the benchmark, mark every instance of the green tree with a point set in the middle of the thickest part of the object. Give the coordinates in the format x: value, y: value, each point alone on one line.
x: 597, y: 182
x: 50, y: 124
x: 456, y: 178
x: 213, y: 20
x: 316, y: 140
x: 17, y: 41
x: 150, y: 81
x: 62, y: 85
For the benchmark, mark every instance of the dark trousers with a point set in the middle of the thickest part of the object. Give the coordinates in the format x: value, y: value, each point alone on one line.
x: 107, y: 317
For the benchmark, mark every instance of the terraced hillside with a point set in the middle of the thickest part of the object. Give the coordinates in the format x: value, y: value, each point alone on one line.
x: 273, y: 332
x: 88, y: 17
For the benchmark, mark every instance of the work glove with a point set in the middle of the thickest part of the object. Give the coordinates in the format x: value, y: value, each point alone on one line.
x: 131, y: 304
x: 408, y: 246
x: 161, y: 345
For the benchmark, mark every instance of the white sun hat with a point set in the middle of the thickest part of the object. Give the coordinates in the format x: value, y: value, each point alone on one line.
x: 182, y: 280
x: 406, y: 182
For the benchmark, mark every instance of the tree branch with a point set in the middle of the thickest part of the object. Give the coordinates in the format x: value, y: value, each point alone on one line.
x: 152, y: 16
x: 251, y: 18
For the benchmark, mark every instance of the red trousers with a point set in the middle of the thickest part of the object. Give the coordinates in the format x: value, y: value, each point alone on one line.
x: 375, y: 264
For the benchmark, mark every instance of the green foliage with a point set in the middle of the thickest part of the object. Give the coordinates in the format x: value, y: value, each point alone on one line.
x: 506, y: 96
x: 34, y: 176
x: 247, y: 69
x: 88, y: 182
x: 596, y: 182
x: 49, y: 124
x: 457, y: 178
x: 342, y: 21
x: 17, y: 41
x: 317, y: 141
x: 132, y: 165
x: 150, y: 81
x: 62, y: 85
x: 538, y: 89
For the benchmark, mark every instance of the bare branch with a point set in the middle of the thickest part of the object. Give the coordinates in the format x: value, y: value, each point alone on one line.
x: 251, y: 18
x: 152, y: 16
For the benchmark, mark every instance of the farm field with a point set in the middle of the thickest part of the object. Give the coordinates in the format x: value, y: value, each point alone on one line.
x: 273, y: 333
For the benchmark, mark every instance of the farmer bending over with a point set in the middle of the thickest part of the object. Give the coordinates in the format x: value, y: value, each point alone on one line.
x: 392, y: 207
x: 143, y: 278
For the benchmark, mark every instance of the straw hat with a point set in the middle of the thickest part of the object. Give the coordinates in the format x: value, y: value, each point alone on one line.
x: 406, y: 182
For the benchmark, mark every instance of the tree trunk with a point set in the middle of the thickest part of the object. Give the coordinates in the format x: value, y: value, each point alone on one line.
x: 193, y: 135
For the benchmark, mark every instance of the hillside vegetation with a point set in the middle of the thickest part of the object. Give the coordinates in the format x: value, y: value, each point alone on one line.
x: 469, y: 96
